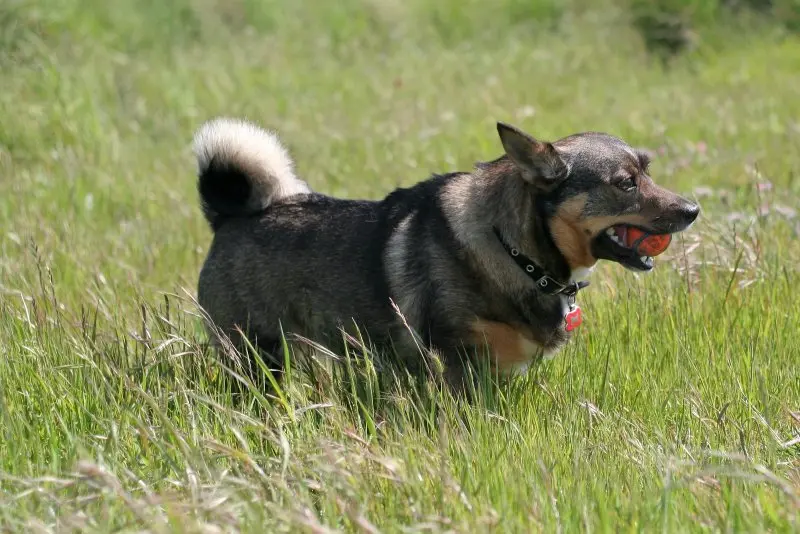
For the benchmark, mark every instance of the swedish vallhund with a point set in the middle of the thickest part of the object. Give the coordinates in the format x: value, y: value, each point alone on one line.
x: 483, y: 262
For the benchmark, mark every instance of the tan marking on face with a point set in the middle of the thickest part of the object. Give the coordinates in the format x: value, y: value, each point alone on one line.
x: 569, y: 235
x: 510, y: 348
x: 573, y: 233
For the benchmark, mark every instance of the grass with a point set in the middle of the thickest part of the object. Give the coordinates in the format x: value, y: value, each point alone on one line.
x: 676, y: 408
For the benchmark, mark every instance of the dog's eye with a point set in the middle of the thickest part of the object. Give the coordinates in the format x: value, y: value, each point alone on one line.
x: 627, y: 184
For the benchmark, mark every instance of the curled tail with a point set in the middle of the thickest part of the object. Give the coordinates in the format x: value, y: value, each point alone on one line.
x: 241, y: 169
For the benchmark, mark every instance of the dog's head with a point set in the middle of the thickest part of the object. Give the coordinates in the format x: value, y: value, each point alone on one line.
x: 591, y: 187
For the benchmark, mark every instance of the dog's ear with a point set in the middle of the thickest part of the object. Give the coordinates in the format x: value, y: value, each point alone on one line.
x: 538, y: 162
x: 645, y: 156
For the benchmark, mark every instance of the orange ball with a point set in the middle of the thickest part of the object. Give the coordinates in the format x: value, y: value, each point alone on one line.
x: 647, y: 244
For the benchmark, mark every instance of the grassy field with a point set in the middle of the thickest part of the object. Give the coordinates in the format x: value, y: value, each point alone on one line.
x: 676, y: 408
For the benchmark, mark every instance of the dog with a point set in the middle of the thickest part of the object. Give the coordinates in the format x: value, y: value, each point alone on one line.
x: 464, y: 263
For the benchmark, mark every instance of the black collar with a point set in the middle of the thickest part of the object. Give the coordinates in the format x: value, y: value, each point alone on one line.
x: 544, y: 282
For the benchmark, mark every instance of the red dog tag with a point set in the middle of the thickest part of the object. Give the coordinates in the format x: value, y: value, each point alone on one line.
x: 573, y: 319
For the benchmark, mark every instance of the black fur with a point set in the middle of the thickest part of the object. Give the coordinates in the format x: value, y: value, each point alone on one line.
x: 224, y: 189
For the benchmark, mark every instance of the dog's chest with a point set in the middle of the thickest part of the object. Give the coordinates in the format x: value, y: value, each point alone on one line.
x: 512, y: 348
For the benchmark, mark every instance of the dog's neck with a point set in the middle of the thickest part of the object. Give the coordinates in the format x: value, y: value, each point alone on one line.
x: 491, y: 198
x: 495, y: 196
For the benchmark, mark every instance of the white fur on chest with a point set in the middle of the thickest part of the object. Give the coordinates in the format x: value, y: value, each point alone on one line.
x: 581, y: 274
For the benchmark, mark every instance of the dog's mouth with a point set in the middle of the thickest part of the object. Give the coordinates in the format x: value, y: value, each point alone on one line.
x: 610, y: 245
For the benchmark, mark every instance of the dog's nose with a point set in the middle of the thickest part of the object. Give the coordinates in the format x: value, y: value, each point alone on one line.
x: 690, y: 210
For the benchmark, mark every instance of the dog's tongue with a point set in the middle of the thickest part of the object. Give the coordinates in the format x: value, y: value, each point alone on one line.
x: 622, y: 232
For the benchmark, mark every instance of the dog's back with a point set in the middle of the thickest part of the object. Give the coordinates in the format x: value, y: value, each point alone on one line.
x: 306, y: 265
